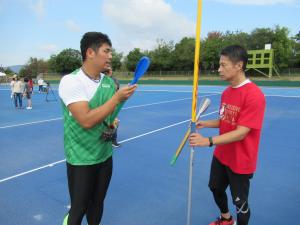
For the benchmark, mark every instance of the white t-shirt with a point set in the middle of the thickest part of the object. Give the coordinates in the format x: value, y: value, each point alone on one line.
x: 75, y: 88
x: 18, y: 87
x: 12, y: 85
x: 40, y: 82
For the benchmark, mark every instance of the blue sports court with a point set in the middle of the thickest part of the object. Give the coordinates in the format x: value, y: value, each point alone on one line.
x: 145, y: 189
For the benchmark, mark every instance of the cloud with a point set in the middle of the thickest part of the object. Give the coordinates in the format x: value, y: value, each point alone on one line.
x: 257, y: 2
x: 49, y: 48
x: 72, y: 26
x: 140, y: 23
x: 39, y: 8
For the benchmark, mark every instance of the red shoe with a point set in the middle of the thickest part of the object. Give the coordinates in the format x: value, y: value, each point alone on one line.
x: 219, y: 221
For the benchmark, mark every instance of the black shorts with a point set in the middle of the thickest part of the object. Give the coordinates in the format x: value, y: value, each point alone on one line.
x: 222, y: 176
x: 28, y: 95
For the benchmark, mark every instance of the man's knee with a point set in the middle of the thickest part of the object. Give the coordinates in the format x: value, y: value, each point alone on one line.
x: 215, y: 190
x: 242, y: 211
x: 242, y: 206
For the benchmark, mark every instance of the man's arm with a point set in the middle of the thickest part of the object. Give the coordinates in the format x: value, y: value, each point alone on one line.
x: 208, y: 123
x: 88, y: 117
x: 238, y: 134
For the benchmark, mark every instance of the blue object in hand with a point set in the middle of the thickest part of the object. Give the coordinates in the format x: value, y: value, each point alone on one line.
x: 141, y: 68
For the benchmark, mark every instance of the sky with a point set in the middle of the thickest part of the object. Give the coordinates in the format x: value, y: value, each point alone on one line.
x: 41, y: 28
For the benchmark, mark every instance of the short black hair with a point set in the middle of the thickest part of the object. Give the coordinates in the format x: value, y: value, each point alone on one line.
x: 26, y: 79
x: 93, y: 40
x: 236, y: 53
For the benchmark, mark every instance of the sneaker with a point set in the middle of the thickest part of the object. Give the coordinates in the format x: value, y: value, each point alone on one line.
x: 65, y: 222
x: 116, y: 144
x: 221, y: 221
x: 28, y: 107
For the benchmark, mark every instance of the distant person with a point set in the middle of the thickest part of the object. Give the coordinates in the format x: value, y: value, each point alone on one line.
x: 40, y: 84
x: 27, y: 93
x: 114, y: 126
x: 12, y: 86
x: 45, y: 87
x: 17, y: 89
x: 240, y: 122
x: 89, y: 99
x: 30, y: 82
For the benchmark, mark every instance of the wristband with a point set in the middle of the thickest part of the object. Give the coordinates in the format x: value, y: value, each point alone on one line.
x: 210, y: 142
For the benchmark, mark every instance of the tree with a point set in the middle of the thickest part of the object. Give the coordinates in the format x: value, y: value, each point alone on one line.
x: 259, y: 37
x: 282, y: 46
x: 132, y: 59
x: 234, y: 38
x: 162, y: 57
x: 184, y: 54
x: 66, y: 61
x: 210, y: 50
x: 8, y: 71
x: 297, y: 37
x: 116, y: 60
x: 278, y: 38
x: 34, y: 67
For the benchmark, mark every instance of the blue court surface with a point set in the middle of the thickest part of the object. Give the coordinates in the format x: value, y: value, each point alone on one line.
x: 145, y: 189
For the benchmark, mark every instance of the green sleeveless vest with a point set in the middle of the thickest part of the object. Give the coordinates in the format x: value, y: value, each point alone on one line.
x: 84, y: 146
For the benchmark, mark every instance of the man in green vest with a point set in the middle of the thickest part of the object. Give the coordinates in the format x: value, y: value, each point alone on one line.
x: 90, y: 102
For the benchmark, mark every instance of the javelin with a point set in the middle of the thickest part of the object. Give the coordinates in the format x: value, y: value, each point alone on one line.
x: 194, y: 105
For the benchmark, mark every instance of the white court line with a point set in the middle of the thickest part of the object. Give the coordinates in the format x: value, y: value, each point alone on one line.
x: 283, y: 96
x: 156, y: 103
x: 181, y: 91
x: 29, y: 123
x: 163, y: 128
x: 31, y: 171
x: 129, y: 107
x: 129, y: 139
x: 162, y: 102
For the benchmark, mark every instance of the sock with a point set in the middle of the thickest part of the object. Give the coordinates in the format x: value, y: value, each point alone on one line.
x: 224, y: 219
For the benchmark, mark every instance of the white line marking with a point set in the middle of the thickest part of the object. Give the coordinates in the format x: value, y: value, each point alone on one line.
x: 129, y: 107
x: 181, y: 91
x: 283, y: 96
x: 29, y: 123
x: 162, y: 102
x: 163, y: 128
x: 129, y: 139
x: 31, y: 171
x: 156, y: 103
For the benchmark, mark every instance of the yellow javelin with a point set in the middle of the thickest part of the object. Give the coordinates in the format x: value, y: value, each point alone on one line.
x: 195, y: 84
x: 196, y: 63
x: 194, y: 106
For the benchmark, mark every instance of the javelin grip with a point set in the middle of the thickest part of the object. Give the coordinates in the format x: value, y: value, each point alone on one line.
x: 193, y: 127
x: 203, y: 107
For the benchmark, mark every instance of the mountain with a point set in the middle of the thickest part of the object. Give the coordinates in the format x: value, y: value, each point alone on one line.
x: 16, y: 68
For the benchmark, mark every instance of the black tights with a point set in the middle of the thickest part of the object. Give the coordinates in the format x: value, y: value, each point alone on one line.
x: 221, y: 177
x: 242, y: 208
x: 87, y: 187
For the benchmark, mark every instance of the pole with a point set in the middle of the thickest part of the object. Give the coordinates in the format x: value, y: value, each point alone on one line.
x: 194, y: 106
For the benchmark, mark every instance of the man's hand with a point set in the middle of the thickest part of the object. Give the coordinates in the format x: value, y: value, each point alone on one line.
x: 197, y: 139
x: 125, y: 92
x: 200, y: 124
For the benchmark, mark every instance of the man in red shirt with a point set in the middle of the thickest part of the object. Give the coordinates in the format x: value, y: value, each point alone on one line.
x: 240, y: 121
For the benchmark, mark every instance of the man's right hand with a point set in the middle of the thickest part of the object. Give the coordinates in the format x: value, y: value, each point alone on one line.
x: 200, y: 124
x: 125, y: 92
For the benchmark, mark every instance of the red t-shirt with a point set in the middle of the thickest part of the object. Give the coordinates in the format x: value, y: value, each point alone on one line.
x: 30, y: 82
x: 242, y: 106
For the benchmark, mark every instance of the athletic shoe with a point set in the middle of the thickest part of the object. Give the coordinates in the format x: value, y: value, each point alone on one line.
x: 116, y: 144
x: 65, y: 222
x: 28, y: 107
x: 221, y: 221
